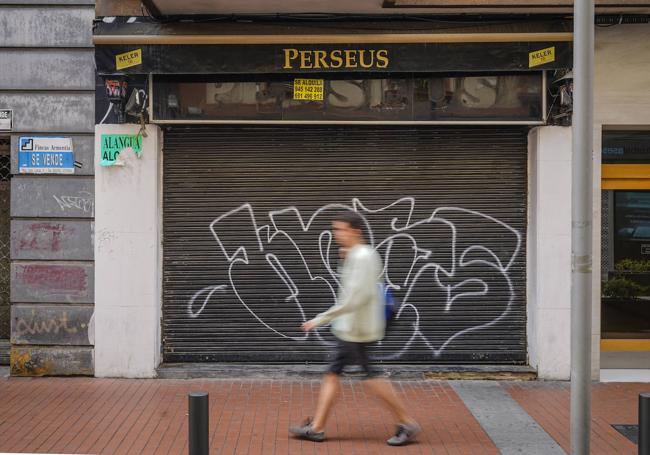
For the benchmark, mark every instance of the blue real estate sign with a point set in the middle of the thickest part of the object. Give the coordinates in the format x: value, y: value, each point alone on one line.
x: 45, y: 155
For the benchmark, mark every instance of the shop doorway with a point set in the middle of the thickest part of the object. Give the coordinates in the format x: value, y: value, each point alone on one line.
x: 626, y: 291
x: 625, y: 300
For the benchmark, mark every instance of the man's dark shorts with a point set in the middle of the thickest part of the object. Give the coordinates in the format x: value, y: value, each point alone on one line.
x: 348, y: 353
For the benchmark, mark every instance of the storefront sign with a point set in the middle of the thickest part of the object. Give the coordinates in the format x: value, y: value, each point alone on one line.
x: 128, y: 59
x: 626, y: 147
x: 145, y: 46
x: 5, y: 119
x: 308, y: 89
x: 114, y: 144
x: 45, y: 155
x: 302, y: 59
x: 541, y: 57
x: 349, y: 59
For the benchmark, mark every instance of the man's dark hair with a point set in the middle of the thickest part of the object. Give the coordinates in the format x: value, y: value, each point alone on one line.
x: 352, y: 218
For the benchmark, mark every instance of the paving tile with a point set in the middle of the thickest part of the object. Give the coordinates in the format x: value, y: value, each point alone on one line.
x: 508, y: 425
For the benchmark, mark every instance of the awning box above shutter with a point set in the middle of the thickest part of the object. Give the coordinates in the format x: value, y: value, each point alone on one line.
x: 386, y: 7
x: 147, y: 46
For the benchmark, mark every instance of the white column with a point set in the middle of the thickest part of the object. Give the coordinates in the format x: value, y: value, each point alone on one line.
x: 549, y: 252
x: 128, y: 266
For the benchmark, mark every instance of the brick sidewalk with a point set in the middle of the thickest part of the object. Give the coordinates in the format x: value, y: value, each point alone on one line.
x: 84, y: 415
x: 612, y: 403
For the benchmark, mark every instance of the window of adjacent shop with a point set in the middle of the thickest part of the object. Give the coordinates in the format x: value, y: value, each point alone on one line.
x: 401, y: 98
x: 626, y: 235
x: 631, y: 226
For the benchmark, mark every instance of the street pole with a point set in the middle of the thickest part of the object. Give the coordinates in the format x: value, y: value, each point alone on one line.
x: 581, y: 225
x: 644, y: 424
x: 198, y: 423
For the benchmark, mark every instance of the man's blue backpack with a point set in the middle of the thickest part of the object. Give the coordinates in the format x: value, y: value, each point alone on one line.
x: 390, y: 305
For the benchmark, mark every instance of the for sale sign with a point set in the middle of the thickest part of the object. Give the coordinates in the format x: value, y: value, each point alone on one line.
x: 45, y: 155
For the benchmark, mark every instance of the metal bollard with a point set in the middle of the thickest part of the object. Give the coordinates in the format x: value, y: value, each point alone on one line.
x: 198, y: 423
x: 644, y: 424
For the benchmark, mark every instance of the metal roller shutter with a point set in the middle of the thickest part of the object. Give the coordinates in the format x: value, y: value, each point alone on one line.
x: 248, y: 254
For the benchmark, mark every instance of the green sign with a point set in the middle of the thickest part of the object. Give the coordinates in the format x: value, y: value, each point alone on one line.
x: 113, y: 144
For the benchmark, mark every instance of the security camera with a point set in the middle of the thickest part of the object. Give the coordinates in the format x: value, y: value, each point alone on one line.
x: 136, y: 103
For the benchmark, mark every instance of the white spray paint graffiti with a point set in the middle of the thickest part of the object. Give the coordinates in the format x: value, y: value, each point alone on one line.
x: 208, y: 292
x: 84, y: 202
x: 443, y: 263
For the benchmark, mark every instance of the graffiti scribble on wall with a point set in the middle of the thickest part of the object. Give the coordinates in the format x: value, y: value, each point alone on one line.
x: 434, y: 266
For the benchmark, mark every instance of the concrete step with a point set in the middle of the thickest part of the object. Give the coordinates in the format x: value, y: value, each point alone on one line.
x: 315, y: 371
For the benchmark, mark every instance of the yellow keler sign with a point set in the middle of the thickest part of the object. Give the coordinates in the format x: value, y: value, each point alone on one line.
x: 542, y: 56
x: 128, y: 59
x: 308, y: 89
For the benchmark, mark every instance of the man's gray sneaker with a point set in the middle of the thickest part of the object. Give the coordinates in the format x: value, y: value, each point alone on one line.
x: 305, y: 431
x: 404, y: 435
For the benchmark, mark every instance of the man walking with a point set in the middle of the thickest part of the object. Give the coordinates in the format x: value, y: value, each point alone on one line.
x: 358, y: 319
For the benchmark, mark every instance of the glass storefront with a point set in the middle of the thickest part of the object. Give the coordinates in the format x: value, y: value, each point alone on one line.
x: 503, y: 97
x: 626, y: 244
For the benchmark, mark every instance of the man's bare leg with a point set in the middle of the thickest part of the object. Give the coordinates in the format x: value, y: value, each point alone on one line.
x: 383, y: 389
x: 328, y: 393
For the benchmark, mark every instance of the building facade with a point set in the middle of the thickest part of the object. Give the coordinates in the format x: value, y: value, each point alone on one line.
x: 622, y: 135
x: 221, y: 150
x: 261, y: 133
x: 47, y: 88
